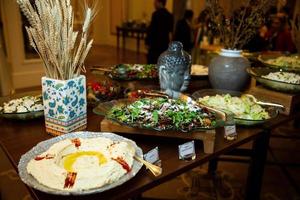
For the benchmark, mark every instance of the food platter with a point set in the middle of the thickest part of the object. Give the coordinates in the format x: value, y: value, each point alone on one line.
x: 259, y: 72
x: 43, y: 146
x: 134, y: 71
x: 128, y: 72
x: 21, y: 115
x: 272, y: 112
x: 199, y: 70
x: 100, y: 91
x: 288, y: 63
x: 142, y: 71
x: 106, y: 109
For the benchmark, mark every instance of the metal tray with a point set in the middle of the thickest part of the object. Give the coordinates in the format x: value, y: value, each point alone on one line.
x: 21, y: 116
x: 258, y: 72
x: 104, y: 108
x: 264, y: 58
x: 239, y: 121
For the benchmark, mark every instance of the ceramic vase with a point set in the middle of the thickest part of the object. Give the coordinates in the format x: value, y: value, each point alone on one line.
x: 174, y: 67
x: 228, y: 70
x: 65, y: 105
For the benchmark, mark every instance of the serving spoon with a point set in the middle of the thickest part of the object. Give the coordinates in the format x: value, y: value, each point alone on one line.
x: 101, y: 68
x: 250, y: 96
x: 156, y: 170
x: 153, y: 94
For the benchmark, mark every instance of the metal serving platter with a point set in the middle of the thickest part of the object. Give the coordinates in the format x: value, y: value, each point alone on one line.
x: 126, y: 72
x: 104, y: 108
x: 21, y: 116
x: 258, y: 72
x: 45, y: 145
x: 265, y: 57
x: 273, y: 112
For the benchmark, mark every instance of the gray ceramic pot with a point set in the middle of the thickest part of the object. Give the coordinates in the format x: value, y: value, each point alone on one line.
x: 174, y: 68
x: 228, y: 70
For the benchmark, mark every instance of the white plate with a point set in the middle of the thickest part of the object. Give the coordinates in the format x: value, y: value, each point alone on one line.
x: 45, y: 145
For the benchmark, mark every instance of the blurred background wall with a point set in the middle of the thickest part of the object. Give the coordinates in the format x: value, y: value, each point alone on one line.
x: 24, y: 67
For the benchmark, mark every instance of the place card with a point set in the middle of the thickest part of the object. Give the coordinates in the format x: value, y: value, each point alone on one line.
x: 230, y: 132
x: 152, y: 156
x: 187, y: 151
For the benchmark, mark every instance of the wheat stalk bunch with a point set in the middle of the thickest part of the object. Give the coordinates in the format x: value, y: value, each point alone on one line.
x: 238, y: 28
x: 51, y: 34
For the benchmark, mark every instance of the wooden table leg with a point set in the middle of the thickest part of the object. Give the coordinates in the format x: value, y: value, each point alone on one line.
x: 124, y: 40
x: 138, y: 43
x: 257, y: 165
x: 118, y: 39
x: 297, y: 122
x: 213, y: 166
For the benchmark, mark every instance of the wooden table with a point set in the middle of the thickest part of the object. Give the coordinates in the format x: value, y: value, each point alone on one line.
x: 19, y: 137
x: 138, y: 33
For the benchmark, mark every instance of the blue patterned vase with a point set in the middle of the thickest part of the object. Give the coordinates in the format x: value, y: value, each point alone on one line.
x: 65, y: 104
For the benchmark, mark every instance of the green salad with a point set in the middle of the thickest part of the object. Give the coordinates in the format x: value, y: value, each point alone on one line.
x: 163, y: 114
x: 134, y: 71
x: 242, y: 107
x: 285, y: 61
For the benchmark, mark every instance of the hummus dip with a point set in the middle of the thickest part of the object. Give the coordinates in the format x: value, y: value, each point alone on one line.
x: 82, y: 164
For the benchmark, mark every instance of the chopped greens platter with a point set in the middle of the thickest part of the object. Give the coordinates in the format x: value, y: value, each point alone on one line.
x: 163, y: 114
x: 134, y: 71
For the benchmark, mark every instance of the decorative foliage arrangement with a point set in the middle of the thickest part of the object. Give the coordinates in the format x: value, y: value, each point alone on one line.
x: 241, y: 25
x: 51, y: 34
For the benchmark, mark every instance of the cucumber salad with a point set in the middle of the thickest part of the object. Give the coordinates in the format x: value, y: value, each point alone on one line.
x: 23, y: 105
x: 163, y: 114
x: 242, y: 107
x: 286, y: 77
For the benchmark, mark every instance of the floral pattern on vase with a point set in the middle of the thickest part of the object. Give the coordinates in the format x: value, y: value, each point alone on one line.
x: 65, y: 104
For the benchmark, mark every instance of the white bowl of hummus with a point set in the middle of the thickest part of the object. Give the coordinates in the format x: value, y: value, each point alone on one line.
x: 80, y: 163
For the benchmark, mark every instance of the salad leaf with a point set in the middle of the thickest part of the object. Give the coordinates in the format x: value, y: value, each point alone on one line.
x: 155, y: 116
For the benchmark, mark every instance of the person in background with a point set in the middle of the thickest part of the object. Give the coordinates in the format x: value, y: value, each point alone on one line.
x: 159, y: 32
x: 284, y: 12
x: 279, y: 36
x: 257, y: 43
x: 202, y: 28
x: 183, y: 31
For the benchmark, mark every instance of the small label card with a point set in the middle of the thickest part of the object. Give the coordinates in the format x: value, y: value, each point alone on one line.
x: 187, y: 151
x: 230, y: 132
x: 152, y: 156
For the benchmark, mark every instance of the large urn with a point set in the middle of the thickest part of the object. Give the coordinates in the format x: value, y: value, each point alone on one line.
x: 228, y: 70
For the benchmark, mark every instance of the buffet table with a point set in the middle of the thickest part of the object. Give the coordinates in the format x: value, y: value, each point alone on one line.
x: 18, y: 137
